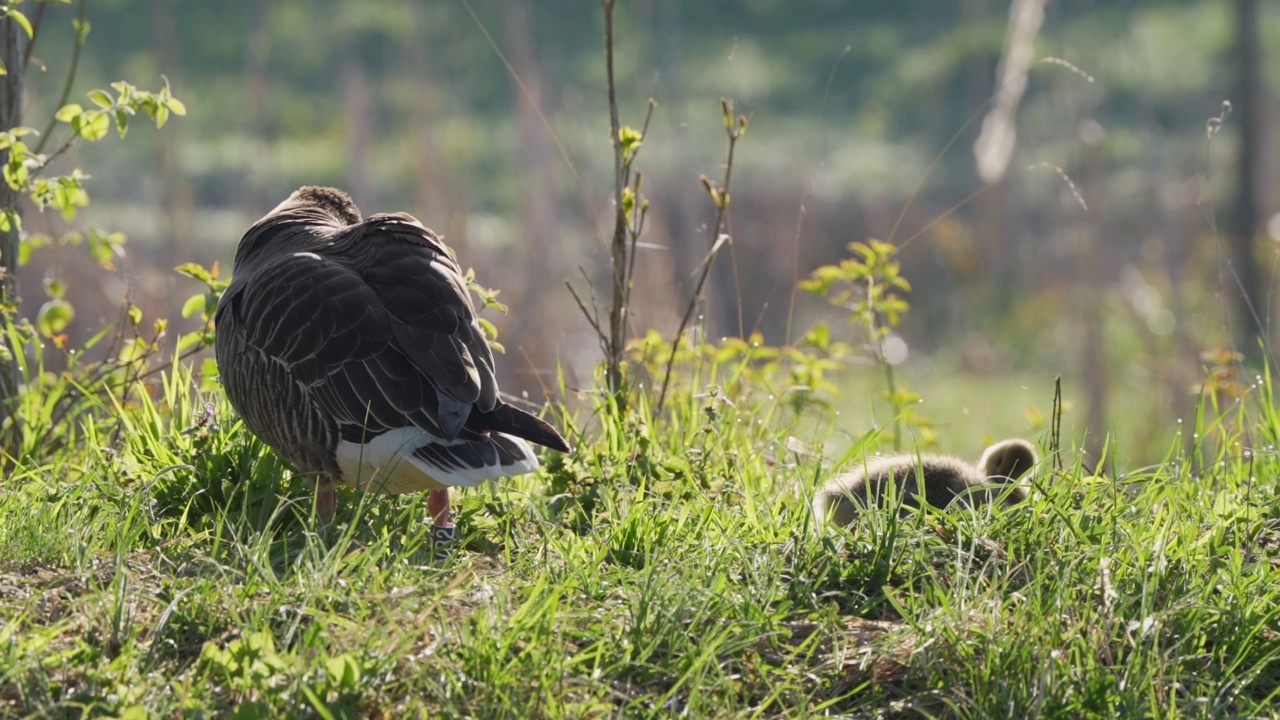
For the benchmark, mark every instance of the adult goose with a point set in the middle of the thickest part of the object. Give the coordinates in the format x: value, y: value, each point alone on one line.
x: 350, y: 346
x: 945, y: 479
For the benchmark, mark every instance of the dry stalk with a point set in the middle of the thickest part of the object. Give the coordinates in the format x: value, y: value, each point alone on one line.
x: 734, y: 129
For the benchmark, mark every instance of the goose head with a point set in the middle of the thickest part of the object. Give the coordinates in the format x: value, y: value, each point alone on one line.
x: 1008, y: 459
x: 1002, y: 464
x: 331, y: 202
x: 309, y: 218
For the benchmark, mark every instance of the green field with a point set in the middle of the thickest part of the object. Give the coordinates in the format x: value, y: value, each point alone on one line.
x: 163, y: 566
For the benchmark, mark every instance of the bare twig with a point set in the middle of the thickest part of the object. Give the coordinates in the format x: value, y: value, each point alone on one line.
x: 638, y: 226
x: 595, y: 304
x: 585, y: 312
x: 1055, y: 438
x: 81, y: 34
x: 733, y: 130
x: 618, y: 246
x: 35, y: 34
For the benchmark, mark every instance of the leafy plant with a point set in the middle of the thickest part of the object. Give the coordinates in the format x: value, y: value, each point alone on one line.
x: 870, y: 286
x: 25, y: 172
x: 630, y: 210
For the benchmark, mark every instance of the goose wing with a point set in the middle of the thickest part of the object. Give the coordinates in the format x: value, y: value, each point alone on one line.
x: 433, y: 322
x: 378, y: 331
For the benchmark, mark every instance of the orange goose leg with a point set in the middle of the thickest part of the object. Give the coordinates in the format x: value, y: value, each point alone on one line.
x: 326, y: 503
x: 443, y: 530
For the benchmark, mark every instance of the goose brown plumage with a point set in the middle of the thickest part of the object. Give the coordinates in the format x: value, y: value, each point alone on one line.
x: 351, y: 347
x: 945, y: 479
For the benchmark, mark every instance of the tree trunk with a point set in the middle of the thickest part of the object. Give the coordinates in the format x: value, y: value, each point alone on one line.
x: 11, y: 49
x: 1243, y: 229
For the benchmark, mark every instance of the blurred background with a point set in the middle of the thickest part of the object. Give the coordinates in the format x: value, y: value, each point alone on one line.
x: 1100, y: 231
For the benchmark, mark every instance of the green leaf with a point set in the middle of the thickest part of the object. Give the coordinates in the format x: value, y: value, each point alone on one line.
x: 10, y: 220
x: 196, y: 271
x: 132, y: 349
x: 122, y: 121
x: 343, y: 671
x: 176, y: 107
x: 629, y: 139
x: 91, y: 125
x: 105, y: 247
x: 54, y: 317
x: 628, y: 202
x: 162, y: 116
x: 135, y: 314
x: 16, y: 173
x: 819, y: 337
x: 55, y: 289
x: 711, y: 189
x: 193, y: 305
x: 22, y: 20
x: 189, y: 340
x: 101, y: 98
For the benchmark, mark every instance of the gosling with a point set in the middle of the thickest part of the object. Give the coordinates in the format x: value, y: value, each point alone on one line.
x: 946, y: 479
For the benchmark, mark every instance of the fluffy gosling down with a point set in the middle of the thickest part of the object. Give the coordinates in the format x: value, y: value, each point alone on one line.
x: 945, y: 478
x: 351, y: 347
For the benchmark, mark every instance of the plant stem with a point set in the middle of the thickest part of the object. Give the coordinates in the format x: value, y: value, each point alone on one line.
x: 81, y: 34
x: 893, y: 398
x: 618, y: 245
x: 721, y: 217
x: 635, y: 229
x: 35, y: 34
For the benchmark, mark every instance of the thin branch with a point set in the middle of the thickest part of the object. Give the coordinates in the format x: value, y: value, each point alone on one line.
x: 585, y: 312
x: 71, y: 75
x: 640, y: 212
x: 733, y: 130
x: 618, y: 246
x: 35, y: 34
x: 46, y: 161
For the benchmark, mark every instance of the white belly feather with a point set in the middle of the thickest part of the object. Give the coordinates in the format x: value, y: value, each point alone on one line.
x: 387, y: 464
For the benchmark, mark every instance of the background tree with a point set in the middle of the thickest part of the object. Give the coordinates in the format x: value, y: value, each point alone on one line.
x: 1242, y: 229
x: 11, y: 55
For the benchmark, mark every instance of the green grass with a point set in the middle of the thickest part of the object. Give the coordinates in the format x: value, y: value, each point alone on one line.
x: 668, y: 568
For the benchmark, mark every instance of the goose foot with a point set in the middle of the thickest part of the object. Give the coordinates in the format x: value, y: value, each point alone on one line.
x: 443, y: 531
